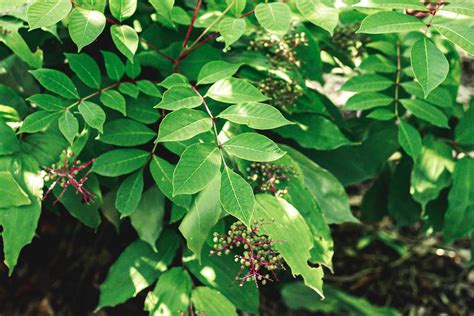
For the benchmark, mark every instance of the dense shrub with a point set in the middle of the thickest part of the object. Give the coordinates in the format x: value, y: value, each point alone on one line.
x: 205, y: 125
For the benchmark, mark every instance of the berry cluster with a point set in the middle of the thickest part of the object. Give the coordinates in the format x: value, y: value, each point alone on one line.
x: 283, y: 94
x: 65, y: 176
x: 256, y: 252
x: 280, y: 51
x: 346, y: 38
x: 269, y: 177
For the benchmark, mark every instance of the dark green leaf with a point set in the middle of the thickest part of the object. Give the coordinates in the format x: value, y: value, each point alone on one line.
x: 113, y: 65
x: 56, y: 82
x: 198, y: 165
x: 129, y: 193
x: 85, y: 67
x: 114, y: 100
x: 144, y: 266
x: 236, y: 196
x: 233, y: 90
x: 119, y: 162
x: 255, y: 115
x: 183, y: 124
x: 171, y: 295
x: 125, y: 132
x: 202, y: 216
x: 253, y: 147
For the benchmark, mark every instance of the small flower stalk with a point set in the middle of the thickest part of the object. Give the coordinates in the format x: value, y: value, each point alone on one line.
x: 252, y: 250
x: 281, y: 51
x: 283, y: 94
x: 66, y: 176
x: 270, y: 178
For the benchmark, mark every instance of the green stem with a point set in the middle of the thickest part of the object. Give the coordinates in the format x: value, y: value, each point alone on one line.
x: 397, y: 80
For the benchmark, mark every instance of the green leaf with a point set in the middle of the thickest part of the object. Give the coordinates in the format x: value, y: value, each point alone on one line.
x: 125, y: 132
x: 119, y: 162
x: 16, y: 42
x: 393, y: 4
x: 148, y: 216
x: 255, y: 115
x: 129, y: 193
x: 440, y: 96
x: 429, y: 65
x: 129, y: 89
x: 237, y: 196
x: 125, y: 39
x: 461, y: 7
x: 458, y: 34
x: 113, y: 65
x: 149, y: 88
x: 253, y: 147
x: 326, y: 188
x: 290, y: 226
x: 426, y: 111
x: 459, y: 217
x: 171, y: 295
x: 367, y: 83
x: 465, y: 128
x: 431, y: 172
x: 367, y: 100
x: 143, y: 267
x: 377, y: 63
x: 390, y: 22
x: 69, y: 126
x: 93, y: 115
x: 47, y: 12
x: 174, y: 80
x: 122, y: 9
x: 114, y: 100
x: 204, y: 213
x: 198, y: 165
x: 401, y: 205
x: 163, y: 9
x: 142, y: 109
x: 11, y: 193
x: 232, y: 29
x: 409, y: 139
x: 133, y: 70
x: 307, y: 126
x: 302, y: 199
x: 274, y: 17
x: 93, y: 4
x: 162, y: 172
x: 85, y: 67
x: 210, y: 302
x: 216, y: 70
x: 9, y: 144
x: 233, y: 90
x: 38, y: 121
x: 183, y: 124
x: 219, y: 273
x: 19, y: 223
x: 179, y: 97
x: 299, y: 297
x: 85, y: 26
x: 48, y: 102
x: 56, y: 82
x: 318, y: 13
x: 381, y: 115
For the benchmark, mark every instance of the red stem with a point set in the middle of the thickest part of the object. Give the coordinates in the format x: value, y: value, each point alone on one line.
x: 193, y: 20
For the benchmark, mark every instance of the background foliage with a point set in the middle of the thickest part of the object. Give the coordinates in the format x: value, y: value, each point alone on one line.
x: 186, y: 116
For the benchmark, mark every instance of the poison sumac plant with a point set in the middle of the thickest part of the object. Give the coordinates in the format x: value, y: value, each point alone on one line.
x: 219, y: 108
